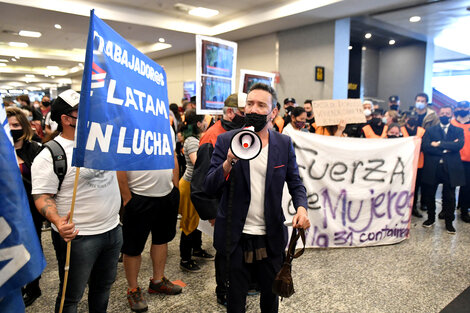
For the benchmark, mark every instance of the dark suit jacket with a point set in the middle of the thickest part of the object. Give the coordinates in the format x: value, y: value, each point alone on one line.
x: 281, y: 167
x: 451, y: 144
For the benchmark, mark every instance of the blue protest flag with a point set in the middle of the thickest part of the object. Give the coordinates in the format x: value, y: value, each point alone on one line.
x: 123, y: 116
x: 21, y: 257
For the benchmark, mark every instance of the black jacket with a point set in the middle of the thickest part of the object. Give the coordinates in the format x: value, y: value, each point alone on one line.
x: 448, y: 151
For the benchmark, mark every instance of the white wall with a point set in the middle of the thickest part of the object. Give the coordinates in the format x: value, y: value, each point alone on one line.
x: 401, y: 72
x: 300, y: 50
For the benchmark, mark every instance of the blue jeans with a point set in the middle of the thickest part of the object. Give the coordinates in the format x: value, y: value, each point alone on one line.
x: 93, y: 260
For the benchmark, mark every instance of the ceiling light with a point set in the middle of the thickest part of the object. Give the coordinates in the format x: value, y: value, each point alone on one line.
x: 161, y: 39
x: 18, y: 44
x: 3, y: 60
x: 364, y: 48
x: 203, y: 12
x: 53, y: 68
x: 45, y: 75
x: 13, y: 59
x: 350, y: 47
x: 27, y: 33
x: 58, y: 26
x: 415, y: 19
x: 391, y: 42
x: 52, y: 77
x: 17, y: 57
x: 3, y: 64
x: 368, y: 35
x: 80, y: 64
x: 30, y: 75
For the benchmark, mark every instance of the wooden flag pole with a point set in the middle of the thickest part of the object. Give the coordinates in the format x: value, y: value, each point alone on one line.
x: 69, y: 244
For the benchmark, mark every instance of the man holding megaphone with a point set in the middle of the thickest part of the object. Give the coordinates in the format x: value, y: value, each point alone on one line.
x: 249, y: 228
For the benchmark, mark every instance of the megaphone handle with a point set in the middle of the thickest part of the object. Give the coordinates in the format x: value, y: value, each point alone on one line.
x: 232, y: 162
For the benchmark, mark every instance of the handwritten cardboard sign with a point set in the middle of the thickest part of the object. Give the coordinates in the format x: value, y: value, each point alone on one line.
x: 331, y: 112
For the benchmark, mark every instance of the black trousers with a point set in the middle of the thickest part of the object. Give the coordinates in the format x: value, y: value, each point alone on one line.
x: 190, y: 243
x: 241, y: 275
x: 448, y: 195
x: 464, y: 193
x: 418, y: 188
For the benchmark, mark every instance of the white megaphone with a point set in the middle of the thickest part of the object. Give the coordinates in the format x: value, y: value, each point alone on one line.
x: 246, y: 144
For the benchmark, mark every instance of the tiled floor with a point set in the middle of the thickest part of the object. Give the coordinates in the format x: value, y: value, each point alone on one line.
x: 421, y: 274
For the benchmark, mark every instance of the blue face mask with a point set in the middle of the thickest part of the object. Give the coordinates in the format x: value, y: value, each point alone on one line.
x: 420, y: 105
x: 384, y: 120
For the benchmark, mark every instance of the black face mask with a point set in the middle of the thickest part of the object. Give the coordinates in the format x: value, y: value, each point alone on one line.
x: 289, y: 109
x: 375, y: 121
x: 461, y: 113
x: 238, y: 121
x: 392, y: 136
x: 46, y: 104
x: 309, y: 114
x: 258, y: 121
x: 394, y: 107
x: 444, y: 120
x: 16, y: 134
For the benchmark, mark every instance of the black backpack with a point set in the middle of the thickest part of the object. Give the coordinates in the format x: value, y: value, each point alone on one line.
x: 59, y: 160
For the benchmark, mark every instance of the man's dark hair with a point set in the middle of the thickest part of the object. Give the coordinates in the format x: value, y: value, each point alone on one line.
x: 308, y: 101
x: 422, y: 94
x: 261, y: 86
x: 25, y: 98
x: 297, y: 111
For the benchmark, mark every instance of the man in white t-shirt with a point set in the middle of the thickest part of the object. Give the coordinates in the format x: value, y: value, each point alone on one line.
x: 151, y: 200
x: 95, y: 230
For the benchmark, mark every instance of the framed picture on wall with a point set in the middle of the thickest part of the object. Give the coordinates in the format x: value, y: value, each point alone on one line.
x: 215, y: 73
x: 248, y: 78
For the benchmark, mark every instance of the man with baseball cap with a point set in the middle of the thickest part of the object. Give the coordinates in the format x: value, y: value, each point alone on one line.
x: 95, y: 232
x: 394, y: 103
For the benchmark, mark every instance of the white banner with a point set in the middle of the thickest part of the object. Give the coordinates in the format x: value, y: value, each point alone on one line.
x: 360, y: 191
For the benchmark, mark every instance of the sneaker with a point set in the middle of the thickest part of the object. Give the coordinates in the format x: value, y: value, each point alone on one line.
x: 164, y: 286
x: 202, y: 254
x: 428, y: 223
x: 136, y: 300
x: 189, y: 266
x: 450, y: 228
x: 441, y: 215
x: 416, y: 213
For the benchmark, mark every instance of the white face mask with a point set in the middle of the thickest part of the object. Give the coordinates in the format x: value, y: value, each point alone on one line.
x: 367, y: 112
x: 384, y: 120
x: 420, y: 105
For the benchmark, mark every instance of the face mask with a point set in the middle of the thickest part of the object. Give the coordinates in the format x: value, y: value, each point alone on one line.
x: 46, y: 104
x: 375, y: 121
x: 238, y: 121
x: 394, y: 107
x: 392, y: 136
x: 299, y: 125
x: 367, y: 112
x: 258, y: 121
x: 309, y: 114
x: 384, y: 120
x: 420, y: 105
x: 461, y: 113
x: 444, y: 120
x: 30, y: 118
x: 289, y: 109
x: 16, y: 134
